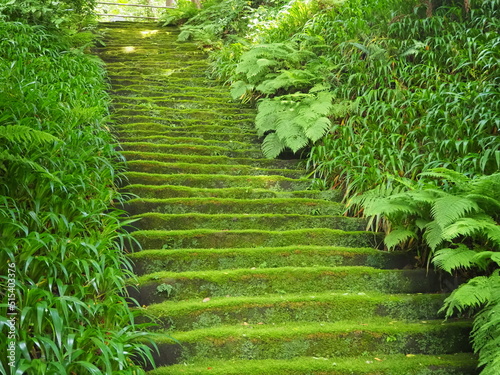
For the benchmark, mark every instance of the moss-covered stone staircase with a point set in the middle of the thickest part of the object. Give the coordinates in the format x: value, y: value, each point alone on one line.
x: 247, y: 271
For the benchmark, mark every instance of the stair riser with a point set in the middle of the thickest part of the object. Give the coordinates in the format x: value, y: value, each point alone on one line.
x: 250, y: 139
x: 181, y: 261
x: 252, y: 239
x: 234, y: 206
x: 343, y: 308
x: 222, y: 160
x: 169, y: 191
x: 264, y: 283
x: 240, y: 222
x: 275, y: 183
x: 186, y: 168
x: 358, y: 343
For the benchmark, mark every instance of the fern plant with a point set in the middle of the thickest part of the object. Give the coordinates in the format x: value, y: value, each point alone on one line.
x: 292, y: 121
x: 458, y: 219
x: 267, y: 68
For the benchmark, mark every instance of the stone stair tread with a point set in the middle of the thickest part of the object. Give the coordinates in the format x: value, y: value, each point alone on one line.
x: 184, y: 260
x: 160, y: 286
x: 376, y: 337
x: 279, y: 222
x: 175, y: 191
x: 216, y: 159
x: 215, y: 238
x: 277, y: 183
x: 210, y: 136
x: 379, y: 364
x: 252, y: 272
x: 313, y: 307
x: 231, y: 145
x: 154, y: 166
x: 230, y: 205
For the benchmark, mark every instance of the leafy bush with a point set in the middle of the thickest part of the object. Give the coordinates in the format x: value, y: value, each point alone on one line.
x: 458, y: 220
x: 184, y: 11
x: 423, y: 89
x: 62, y: 266
x: 59, y: 14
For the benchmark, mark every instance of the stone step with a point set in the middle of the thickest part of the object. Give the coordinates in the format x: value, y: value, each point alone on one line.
x: 217, y: 239
x: 179, y: 286
x: 158, y: 167
x: 282, y: 309
x: 210, y: 136
x: 157, y: 88
x: 156, y: 221
x: 190, y: 149
x: 368, y: 337
x: 176, y: 113
x: 179, y: 99
x: 274, y: 183
x: 368, y: 364
x: 223, y: 160
x: 231, y: 125
x: 166, y: 92
x: 298, y: 206
x: 177, y: 141
x: 183, y: 260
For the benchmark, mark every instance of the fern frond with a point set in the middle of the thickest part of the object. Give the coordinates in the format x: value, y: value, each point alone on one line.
x: 398, y: 236
x: 479, y: 225
x: 433, y: 235
x: 450, y: 208
x: 475, y: 293
x: 272, y: 146
x: 296, y: 141
x: 318, y: 129
x: 21, y: 133
x: 462, y: 182
x: 450, y: 259
x: 6, y: 156
x: 390, y: 206
x: 484, y: 258
x: 240, y: 88
x: 488, y: 186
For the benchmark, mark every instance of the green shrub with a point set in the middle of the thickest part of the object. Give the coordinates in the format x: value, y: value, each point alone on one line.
x: 458, y: 219
x: 62, y: 265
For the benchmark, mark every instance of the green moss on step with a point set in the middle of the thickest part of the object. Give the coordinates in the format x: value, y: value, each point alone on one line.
x: 190, y: 149
x: 274, y: 183
x: 172, y: 191
x: 151, y: 261
x: 153, y: 166
x: 269, y: 310
x: 157, y: 221
x: 461, y: 364
x: 161, y: 286
x: 300, y: 206
x: 180, y: 114
x: 341, y: 339
x: 226, y: 145
x: 216, y: 159
x: 208, y: 135
x: 213, y: 239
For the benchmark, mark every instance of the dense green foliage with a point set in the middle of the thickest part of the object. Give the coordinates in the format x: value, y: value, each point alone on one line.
x: 409, y: 92
x: 458, y: 220
x: 63, y: 273
x: 374, y: 92
x: 55, y: 14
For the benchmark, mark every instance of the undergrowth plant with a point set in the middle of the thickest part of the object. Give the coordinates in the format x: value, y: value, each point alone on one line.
x: 63, y: 271
x: 454, y: 221
x: 419, y: 77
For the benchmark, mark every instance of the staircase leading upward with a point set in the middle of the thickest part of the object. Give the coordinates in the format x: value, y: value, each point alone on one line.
x: 248, y: 270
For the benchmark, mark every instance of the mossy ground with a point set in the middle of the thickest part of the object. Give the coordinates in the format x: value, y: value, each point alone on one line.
x: 241, y: 263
